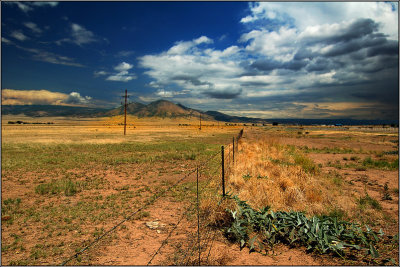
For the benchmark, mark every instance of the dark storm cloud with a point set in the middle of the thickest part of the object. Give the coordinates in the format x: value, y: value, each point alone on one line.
x: 377, y: 44
x: 223, y: 94
x: 294, y: 65
x: 266, y: 65
x: 357, y: 29
x: 381, y: 63
x: 337, y: 63
x: 355, y: 54
x: 388, y: 48
x: 367, y: 96
x: 345, y: 48
x: 303, y: 53
x: 356, y: 42
x: 269, y: 65
x: 257, y: 84
x: 384, y: 90
x: 321, y: 64
x: 187, y: 78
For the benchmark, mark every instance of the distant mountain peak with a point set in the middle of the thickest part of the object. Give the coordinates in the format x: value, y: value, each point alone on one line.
x: 165, y: 109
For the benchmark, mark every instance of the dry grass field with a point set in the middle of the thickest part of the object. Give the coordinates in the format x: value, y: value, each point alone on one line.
x: 67, y: 183
x: 351, y: 175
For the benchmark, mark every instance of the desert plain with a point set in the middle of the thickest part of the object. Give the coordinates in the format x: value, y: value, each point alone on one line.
x: 65, y: 184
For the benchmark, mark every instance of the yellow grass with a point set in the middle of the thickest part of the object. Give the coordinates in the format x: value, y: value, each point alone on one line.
x: 267, y: 173
x: 106, y: 130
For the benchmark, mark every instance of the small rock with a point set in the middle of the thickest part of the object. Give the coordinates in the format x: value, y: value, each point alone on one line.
x: 155, y: 225
x: 158, y: 232
x: 152, y: 225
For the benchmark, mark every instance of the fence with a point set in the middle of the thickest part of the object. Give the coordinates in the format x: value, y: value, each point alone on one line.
x: 205, y: 234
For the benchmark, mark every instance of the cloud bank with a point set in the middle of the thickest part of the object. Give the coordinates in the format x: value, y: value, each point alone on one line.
x: 42, y: 97
x: 303, y: 58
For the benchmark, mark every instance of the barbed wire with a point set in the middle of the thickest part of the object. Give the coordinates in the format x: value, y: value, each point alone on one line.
x: 239, y: 136
x: 219, y: 204
x: 190, y: 249
x: 150, y: 201
x: 170, y: 233
x: 209, y: 237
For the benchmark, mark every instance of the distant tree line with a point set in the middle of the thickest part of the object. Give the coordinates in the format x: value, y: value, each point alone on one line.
x: 24, y: 122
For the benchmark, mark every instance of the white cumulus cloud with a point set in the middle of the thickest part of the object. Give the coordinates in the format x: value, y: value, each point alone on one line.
x: 42, y: 97
x: 304, y: 52
x: 200, y: 70
x: 76, y: 98
x: 123, y: 66
x: 317, y: 13
x: 122, y: 75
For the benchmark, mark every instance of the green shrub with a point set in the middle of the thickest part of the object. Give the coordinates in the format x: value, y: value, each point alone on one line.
x: 386, y: 195
x: 337, y: 213
x: 381, y: 164
x: 306, y: 163
x: 367, y: 200
x: 66, y: 186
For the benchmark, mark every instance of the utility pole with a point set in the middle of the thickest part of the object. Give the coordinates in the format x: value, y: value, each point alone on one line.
x: 126, y: 97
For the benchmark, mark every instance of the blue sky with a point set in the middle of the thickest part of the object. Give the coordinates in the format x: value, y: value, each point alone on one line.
x: 260, y: 59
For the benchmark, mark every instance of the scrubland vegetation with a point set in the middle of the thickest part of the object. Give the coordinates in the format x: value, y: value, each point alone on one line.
x: 62, y: 188
x: 283, y: 196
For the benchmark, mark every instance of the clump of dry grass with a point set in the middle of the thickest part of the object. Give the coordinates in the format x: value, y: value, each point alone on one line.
x: 267, y: 173
x: 214, y: 208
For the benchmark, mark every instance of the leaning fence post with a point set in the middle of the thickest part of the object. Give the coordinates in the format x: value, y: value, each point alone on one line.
x: 223, y: 171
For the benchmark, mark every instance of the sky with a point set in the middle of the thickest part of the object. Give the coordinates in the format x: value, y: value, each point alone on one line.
x: 255, y: 59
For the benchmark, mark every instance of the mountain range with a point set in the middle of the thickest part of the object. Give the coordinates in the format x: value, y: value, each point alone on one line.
x: 159, y: 108
x: 165, y: 109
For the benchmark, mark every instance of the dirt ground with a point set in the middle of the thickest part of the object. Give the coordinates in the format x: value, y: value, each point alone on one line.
x: 28, y: 240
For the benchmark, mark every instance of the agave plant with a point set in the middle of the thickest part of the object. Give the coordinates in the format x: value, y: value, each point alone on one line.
x: 321, y: 234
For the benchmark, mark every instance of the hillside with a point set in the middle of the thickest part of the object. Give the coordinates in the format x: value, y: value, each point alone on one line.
x: 167, y: 109
x: 131, y: 108
x: 52, y: 111
x: 159, y: 108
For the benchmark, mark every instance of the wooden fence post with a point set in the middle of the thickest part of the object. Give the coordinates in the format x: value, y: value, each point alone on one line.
x: 223, y: 171
x: 198, y: 214
x: 233, y: 147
